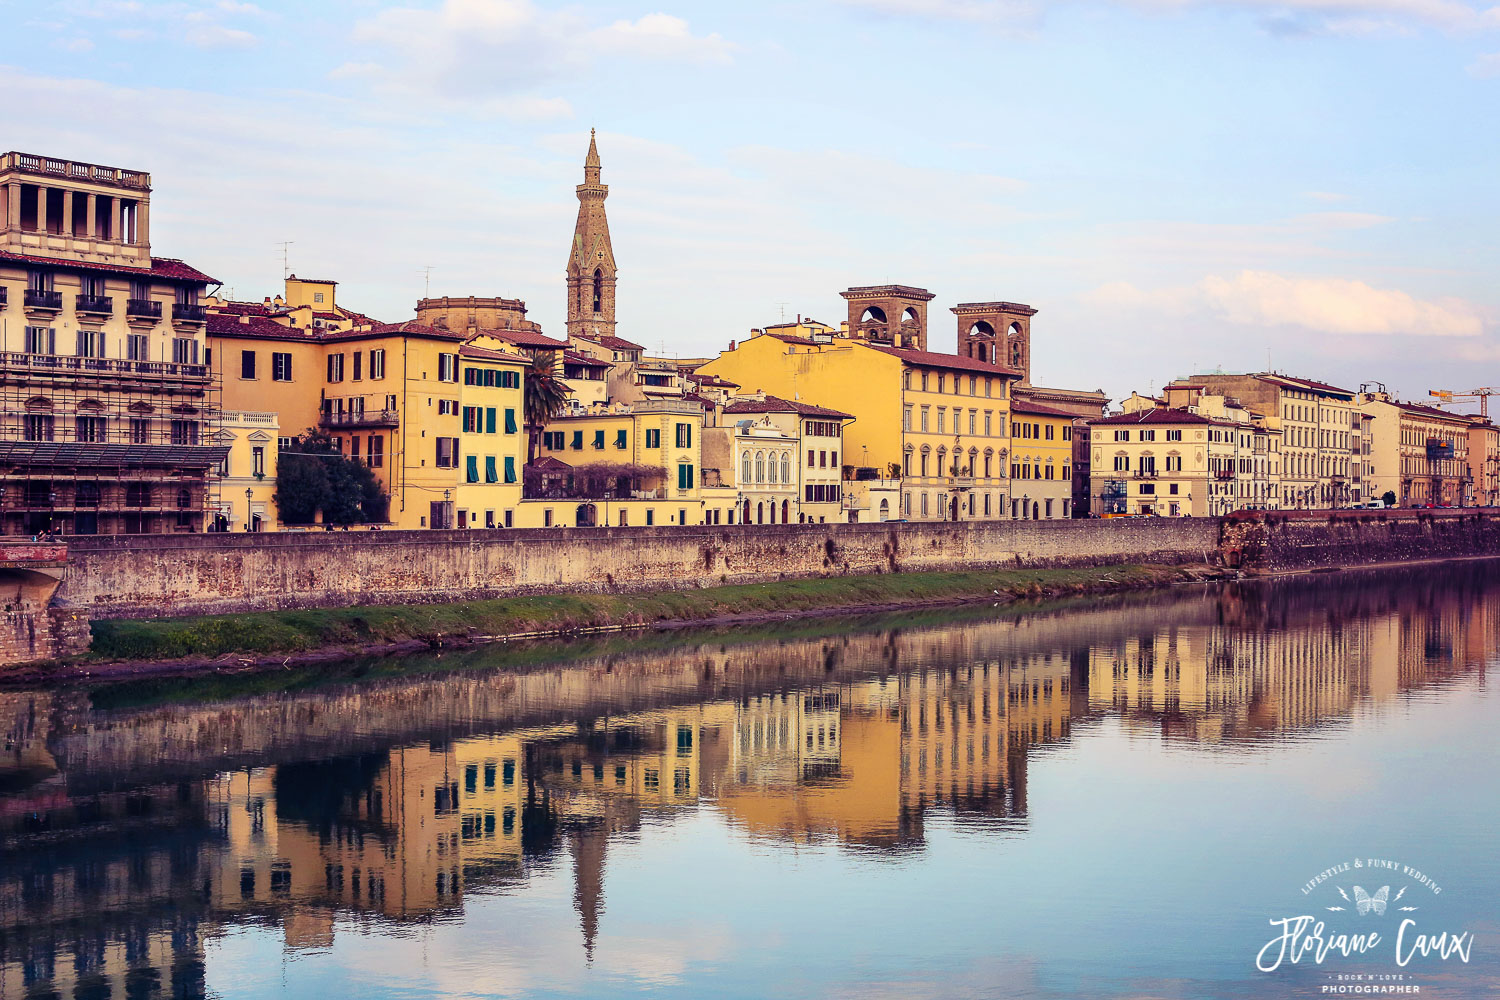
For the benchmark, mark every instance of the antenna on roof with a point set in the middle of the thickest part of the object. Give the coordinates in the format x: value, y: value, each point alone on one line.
x: 286, y: 269
x: 427, y: 281
x: 781, y: 307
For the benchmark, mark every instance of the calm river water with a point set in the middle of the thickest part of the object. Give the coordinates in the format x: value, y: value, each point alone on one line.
x: 1106, y: 798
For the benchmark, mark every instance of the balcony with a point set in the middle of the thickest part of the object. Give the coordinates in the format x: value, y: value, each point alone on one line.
x: 42, y: 300
x: 4, y: 292
x: 357, y: 419
x: 186, y: 312
x: 1145, y: 474
x: 65, y: 364
x: 98, y: 305
x: 142, y: 310
x: 1224, y: 474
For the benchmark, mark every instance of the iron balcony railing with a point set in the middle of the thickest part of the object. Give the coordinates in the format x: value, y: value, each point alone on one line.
x: 187, y: 312
x: 374, y: 418
x: 37, y: 298
x: 101, y: 304
x: 142, y: 309
x: 117, y: 366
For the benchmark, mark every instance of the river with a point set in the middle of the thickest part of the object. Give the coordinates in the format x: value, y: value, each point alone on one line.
x: 1112, y: 797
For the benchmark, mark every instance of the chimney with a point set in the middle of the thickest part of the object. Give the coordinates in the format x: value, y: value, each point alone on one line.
x: 731, y: 345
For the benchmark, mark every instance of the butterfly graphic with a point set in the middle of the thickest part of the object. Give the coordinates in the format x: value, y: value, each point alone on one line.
x: 1364, y: 902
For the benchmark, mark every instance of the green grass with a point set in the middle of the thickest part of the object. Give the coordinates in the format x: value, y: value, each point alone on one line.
x: 291, y: 632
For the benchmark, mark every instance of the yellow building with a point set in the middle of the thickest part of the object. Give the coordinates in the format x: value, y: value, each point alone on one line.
x: 107, y: 403
x: 635, y: 464
x: 935, y: 422
x: 784, y: 458
x: 1041, y: 461
x: 492, y: 442
x: 247, y: 483
x: 391, y: 396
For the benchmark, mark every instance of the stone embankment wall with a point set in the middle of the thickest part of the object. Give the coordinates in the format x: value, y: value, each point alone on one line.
x: 148, y: 576
x: 1309, y: 539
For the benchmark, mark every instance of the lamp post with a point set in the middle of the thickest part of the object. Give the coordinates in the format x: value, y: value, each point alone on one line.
x: 249, y: 514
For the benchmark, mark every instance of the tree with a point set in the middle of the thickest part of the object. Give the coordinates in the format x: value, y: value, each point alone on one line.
x: 314, y: 475
x: 544, y: 398
x: 1389, y: 497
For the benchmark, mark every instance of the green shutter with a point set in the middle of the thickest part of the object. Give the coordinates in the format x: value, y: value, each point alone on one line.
x: 577, y: 440
x: 490, y: 475
x: 473, y: 469
x: 620, y: 438
x: 489, y: 420
x: 599, y: 439
x: 510, y: 469
x: 510, y: 421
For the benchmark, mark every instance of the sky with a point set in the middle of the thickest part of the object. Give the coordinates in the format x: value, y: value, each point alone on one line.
x: 1176, y: 185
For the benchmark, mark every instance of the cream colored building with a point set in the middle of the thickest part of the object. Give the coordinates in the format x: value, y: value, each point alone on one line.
x: 247, y: 484
x: 788, y: 459
x: 1419, y: 453
x: 1484, y: 462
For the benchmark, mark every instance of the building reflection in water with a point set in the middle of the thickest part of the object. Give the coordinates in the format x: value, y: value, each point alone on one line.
x: 131, y: 835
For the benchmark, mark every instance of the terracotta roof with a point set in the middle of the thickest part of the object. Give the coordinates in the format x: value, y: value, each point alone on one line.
x: 110, y: 456
x: 549, y: 464
x: 162, y: 268
x: 1302, y: 383
x: 525, y: 338
x: 1432, y: 411
x: 247, y: 325
x: 245, y: 308
x: 787, y: 338
x: 485, y: 354
x: 710, y: 380
x: 312, y: 281
x: 613, y: 343
x: 703, y: 401
x: 1025, y: 406
x: 328, y: 315
x: 1159, y: 415
x: 930, y: 359
x: 410, y: 327
x: 574, y: 358
x: 775, y: 404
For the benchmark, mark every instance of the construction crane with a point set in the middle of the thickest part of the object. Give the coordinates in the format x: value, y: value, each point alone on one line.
x: 1482, y: 394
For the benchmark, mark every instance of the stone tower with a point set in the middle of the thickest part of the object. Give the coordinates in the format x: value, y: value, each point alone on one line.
x: 591, y: 264
x: 891, y: 315
x: 997, y: 332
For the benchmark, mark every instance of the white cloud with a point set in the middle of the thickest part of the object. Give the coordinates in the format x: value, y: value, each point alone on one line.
x: 470, y: 51
x: 217, y: 36
x: 1487, y: 65
x: 75, y: 44
x: 1348, y: 17
x: 204, y: 25
x: 1338, y: 306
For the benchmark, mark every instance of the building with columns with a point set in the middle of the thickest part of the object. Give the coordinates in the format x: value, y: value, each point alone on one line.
x: 106, y: 396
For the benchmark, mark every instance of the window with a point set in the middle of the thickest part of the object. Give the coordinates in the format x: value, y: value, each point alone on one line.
x: 621, y: 438
x: 258, y: 461
x: 684, y: 435
x: 490, y: 473
x: 335, y: 368
x: 375, y: 456
x: 924, y: 419
x: 510, y: 477
x: 447, y: 367
x: 1122, y: 435
x: 184, y: 432
x: 684, y: 473
x: 281, y: 367
x: 317, y: 296
x: 1174, y: 435
x: 184, y: 351
x: 359, y: 365
x: 446, y: 456
x: 653, y: 438
x: 137, y: 347
x: 512, y: 428
x: 90, y: 344
x: 1148, y: 435
x: 41, y: 340
x: 247, y: 364
x: 377, y: 363
x: 906, y: 418
x: 89, y: 429
x: 489, y: 420
x: 140, y: 431
x: 786, y: 467
x: 39, y: 427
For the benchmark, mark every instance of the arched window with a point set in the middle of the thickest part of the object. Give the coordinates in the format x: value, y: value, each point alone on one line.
x: 784, y: 511
x: 746, y: 472
x: 771, y: 469
x: 598, y: 289
x: 786, y: 467
x: 906, y: 461
x: 760, y: 513
x: 760, y: 466
x: 925, y: 456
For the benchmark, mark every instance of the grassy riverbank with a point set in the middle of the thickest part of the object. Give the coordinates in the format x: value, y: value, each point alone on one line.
x: 294, y: 632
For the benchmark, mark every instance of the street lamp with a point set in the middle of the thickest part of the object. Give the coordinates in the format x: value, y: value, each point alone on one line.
x: 249, y: 514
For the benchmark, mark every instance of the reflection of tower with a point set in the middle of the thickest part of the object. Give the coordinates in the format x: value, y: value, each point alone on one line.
x: 591, y: 263
x: 891, y: 315
x: 997, y: 332
x: 588, y: 845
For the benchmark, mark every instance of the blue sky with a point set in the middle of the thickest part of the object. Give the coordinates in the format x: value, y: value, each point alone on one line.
x: 1174, y: 184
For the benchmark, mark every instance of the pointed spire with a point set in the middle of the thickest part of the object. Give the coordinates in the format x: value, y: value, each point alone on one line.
x: 591, y: 162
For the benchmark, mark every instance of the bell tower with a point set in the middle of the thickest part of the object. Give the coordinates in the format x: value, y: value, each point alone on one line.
x: 997, y: 332
x: 591, y: 264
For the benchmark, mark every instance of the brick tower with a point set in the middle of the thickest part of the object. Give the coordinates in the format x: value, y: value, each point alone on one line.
x: 591, y: 264
x: 997, y: 332
x: 893, y: 315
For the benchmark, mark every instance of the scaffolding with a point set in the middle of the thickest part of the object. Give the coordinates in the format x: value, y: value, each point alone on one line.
x: 107, y: 446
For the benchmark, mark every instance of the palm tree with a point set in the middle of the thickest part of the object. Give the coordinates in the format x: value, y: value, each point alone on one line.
x: 545, y: 396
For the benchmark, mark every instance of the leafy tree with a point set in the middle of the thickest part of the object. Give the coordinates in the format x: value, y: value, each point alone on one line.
x: 544, y: 398
x: 314, y: 475
x: 1389, y: 496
